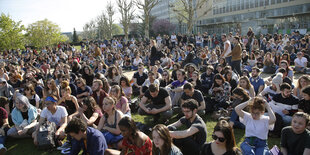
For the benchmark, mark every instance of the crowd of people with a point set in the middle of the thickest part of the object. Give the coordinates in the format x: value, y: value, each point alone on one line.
x: 87, y: 95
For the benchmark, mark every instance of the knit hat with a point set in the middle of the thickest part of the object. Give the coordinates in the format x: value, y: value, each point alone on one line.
x: 277, y: 80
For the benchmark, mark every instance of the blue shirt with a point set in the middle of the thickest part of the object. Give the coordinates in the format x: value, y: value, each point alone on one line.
x: 257, y: 83
x: 96, y: 144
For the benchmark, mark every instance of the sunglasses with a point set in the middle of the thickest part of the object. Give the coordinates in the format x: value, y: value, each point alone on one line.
x: 221, y: 139
x: 165, y: 74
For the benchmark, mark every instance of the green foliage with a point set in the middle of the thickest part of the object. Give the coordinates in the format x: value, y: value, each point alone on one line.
x: 117, y: 30
x: 75, y: 37
x: 44, y: 33
x: 11, y: 36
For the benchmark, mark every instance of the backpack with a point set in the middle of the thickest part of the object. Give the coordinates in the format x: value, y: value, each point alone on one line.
x: 46, y: 136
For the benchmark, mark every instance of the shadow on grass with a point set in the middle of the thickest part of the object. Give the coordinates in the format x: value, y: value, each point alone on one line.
x: 25, y: 147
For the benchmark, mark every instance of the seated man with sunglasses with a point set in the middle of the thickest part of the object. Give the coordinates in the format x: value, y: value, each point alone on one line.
x: 191, y: 139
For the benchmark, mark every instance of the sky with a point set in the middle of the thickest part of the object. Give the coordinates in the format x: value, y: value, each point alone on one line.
x: 68, y: 14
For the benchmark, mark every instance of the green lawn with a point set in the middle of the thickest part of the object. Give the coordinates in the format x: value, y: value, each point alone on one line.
x: 25, y: 146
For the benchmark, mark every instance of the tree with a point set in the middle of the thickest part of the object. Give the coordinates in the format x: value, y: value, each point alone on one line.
x: 126, y: 10
x: 75, y: 37
x: 89, y: 30
x: 44, y: 33
x: 116, y: 30
x: 163, y: 26
x: 146, y: 6
x: 111, y: 12
x: 187, y: 9
x: 11, y: 36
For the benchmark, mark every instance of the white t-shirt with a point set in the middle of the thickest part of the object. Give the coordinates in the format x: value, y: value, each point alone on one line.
x: 301, y: 61
x: 256, y: 128
x: 56, y: 117
x: 147, y: 82
x: 136, y: 62
x: 173, y: 38
x: 228, y: 51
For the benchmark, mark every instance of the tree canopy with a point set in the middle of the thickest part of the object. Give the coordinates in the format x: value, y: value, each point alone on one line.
x: 11, y: 36
x: 44, y: 33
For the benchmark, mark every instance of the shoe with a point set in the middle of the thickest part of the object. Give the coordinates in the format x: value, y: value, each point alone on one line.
x: 64, y: 146
x: 66, y: 151
x: 2, y: 149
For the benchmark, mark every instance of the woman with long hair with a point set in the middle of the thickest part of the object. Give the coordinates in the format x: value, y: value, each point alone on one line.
x: 195, y: 80
x: 89, y: 112
x: 122, y: 102
x: 223, y: 141
x: 126, y: 87
x: 303, y: 81
x: 108, y: 123
x: 88, y: 75
x: 113, y: 75
x: 220, y: 90
x: 32, y: 96
x: 239, y: 96
x: 166, y: 79
x: 229, y: 78
x: 51, y: 89
x: 68, y: 101
x: 134, y: 142
x: 245, y: 83
x: 162, y: 141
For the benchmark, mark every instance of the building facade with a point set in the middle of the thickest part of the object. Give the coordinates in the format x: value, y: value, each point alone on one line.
x: 264, y: 16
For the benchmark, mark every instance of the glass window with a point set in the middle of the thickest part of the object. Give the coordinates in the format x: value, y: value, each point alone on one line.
x: 266, y: 2
x: 252, y: 3
x: 279, y: 1
x: 246, y: 4
x: 273, y: 2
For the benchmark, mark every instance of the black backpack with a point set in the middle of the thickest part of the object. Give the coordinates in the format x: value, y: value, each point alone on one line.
x: 46, y: 136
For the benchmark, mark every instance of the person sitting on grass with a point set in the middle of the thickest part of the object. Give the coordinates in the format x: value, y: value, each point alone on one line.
x: 295, y: 139
x: 135, y: 142
x: 304, y: 104
x: 191, y: 93
x: 191, y: 139
x: 4, y: 126
x: 53, y: 113
x: 87, y: 138
x: 24, y: 116
x: 90, y: 112
x: 108, y: 123
x: 285, y: 104
x: 162, y: 141
x: 160, y: 106
x: 223, y: 141
x: 256, y: 126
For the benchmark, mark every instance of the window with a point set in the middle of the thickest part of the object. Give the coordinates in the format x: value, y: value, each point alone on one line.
x: 266, y: 2
x: 252, y: 3
x: 273, y: 2
x: 246, y: 4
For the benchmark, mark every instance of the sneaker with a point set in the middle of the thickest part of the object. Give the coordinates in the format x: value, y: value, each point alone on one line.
x: 64, y: 146
x: 2, y: 149
x: 66, y: 151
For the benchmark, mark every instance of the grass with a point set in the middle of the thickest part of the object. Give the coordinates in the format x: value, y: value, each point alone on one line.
x: 25, y: 146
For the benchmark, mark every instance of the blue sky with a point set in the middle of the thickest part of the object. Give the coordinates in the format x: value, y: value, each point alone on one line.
x: 66, y: 13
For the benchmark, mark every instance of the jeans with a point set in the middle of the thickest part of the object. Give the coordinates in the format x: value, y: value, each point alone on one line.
x: 165, y: 115
x: 286, y: 120
x: 254, y: 146
x: 236, y: 66
x: 2, y: 139
x: 228, y: 60
x: 235, y: 119
x: 134, y: 67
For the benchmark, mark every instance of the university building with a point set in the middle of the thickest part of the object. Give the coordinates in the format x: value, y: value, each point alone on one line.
x: 264, y: 16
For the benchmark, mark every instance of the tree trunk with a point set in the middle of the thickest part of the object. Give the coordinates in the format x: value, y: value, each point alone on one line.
x: 147, y: 26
